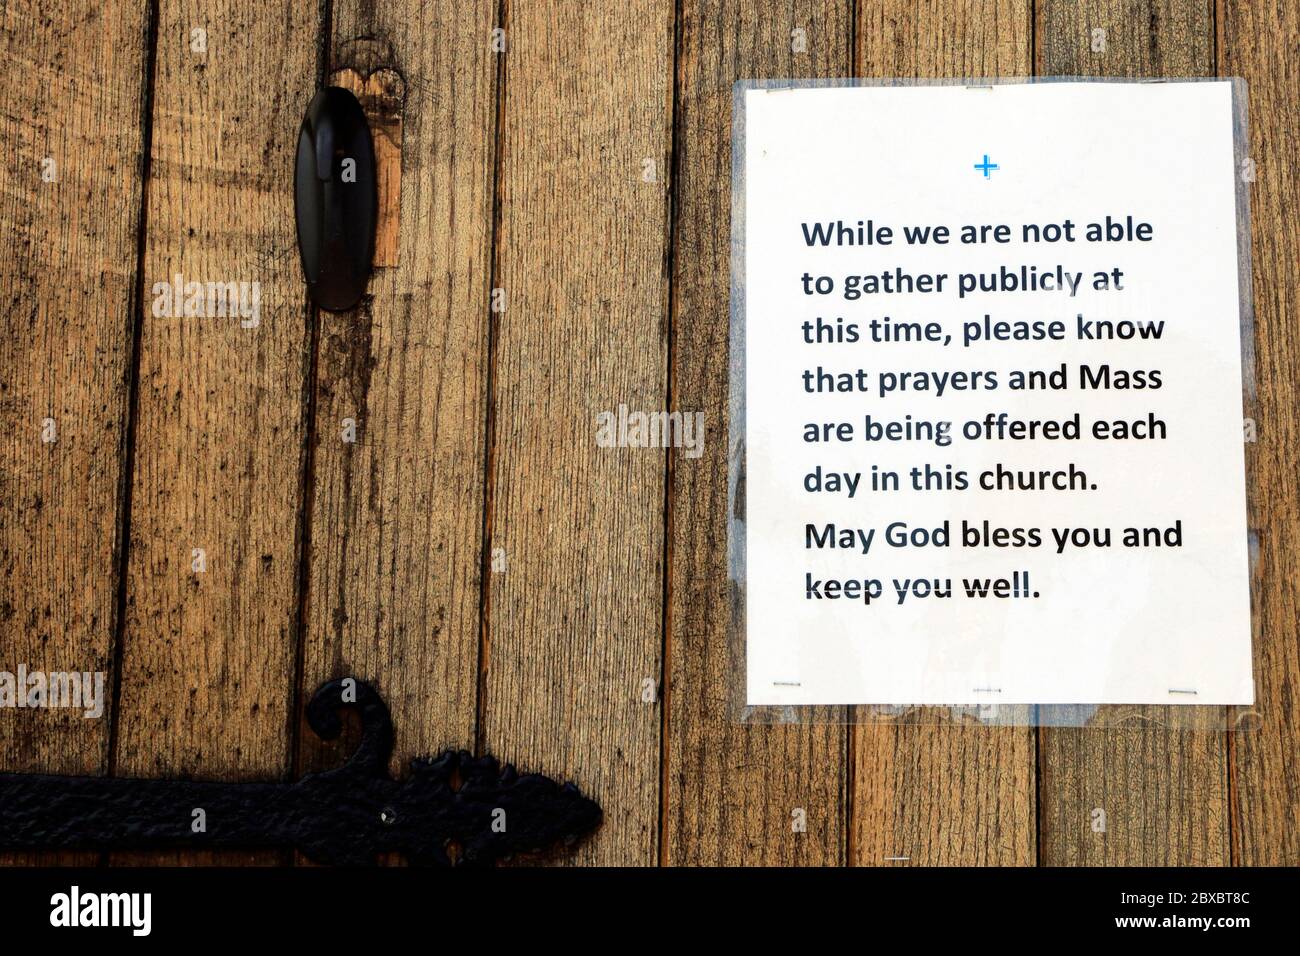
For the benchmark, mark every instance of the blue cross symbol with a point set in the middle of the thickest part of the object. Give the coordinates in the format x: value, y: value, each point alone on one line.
x: 986, y: 166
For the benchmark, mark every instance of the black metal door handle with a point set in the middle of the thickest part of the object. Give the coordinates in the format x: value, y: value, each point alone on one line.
x: 336, y: 199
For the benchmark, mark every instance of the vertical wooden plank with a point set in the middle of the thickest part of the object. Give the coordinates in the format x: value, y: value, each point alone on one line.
x: 937, y: 794
x: 397, y: 520
x: 208, y: 656
x: 71, y: 125
x: 1164, y: 791
x: 730, y: 789
x: 575, y: 620
x: 1142, y: 38
x: 931, y: 793
x: 1260, y: 44
x: 944, y: 38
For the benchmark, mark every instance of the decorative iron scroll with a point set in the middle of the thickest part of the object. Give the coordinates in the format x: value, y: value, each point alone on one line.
x: 450, y: 809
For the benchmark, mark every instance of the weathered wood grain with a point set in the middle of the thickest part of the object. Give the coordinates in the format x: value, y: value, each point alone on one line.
x: 397, y: 515
x: 208, y: 658
x: 925, y: 792
x: 574, y: 621
x: 932, y: 793
x: 71, y: 127
x: 1158, y: 775
x: 1141, y: 37
x: 730, y: 790
x: 944, y: 38
x: 1259, y: 42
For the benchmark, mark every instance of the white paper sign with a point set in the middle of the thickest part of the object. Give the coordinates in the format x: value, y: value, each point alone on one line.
x: 993, y: 396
